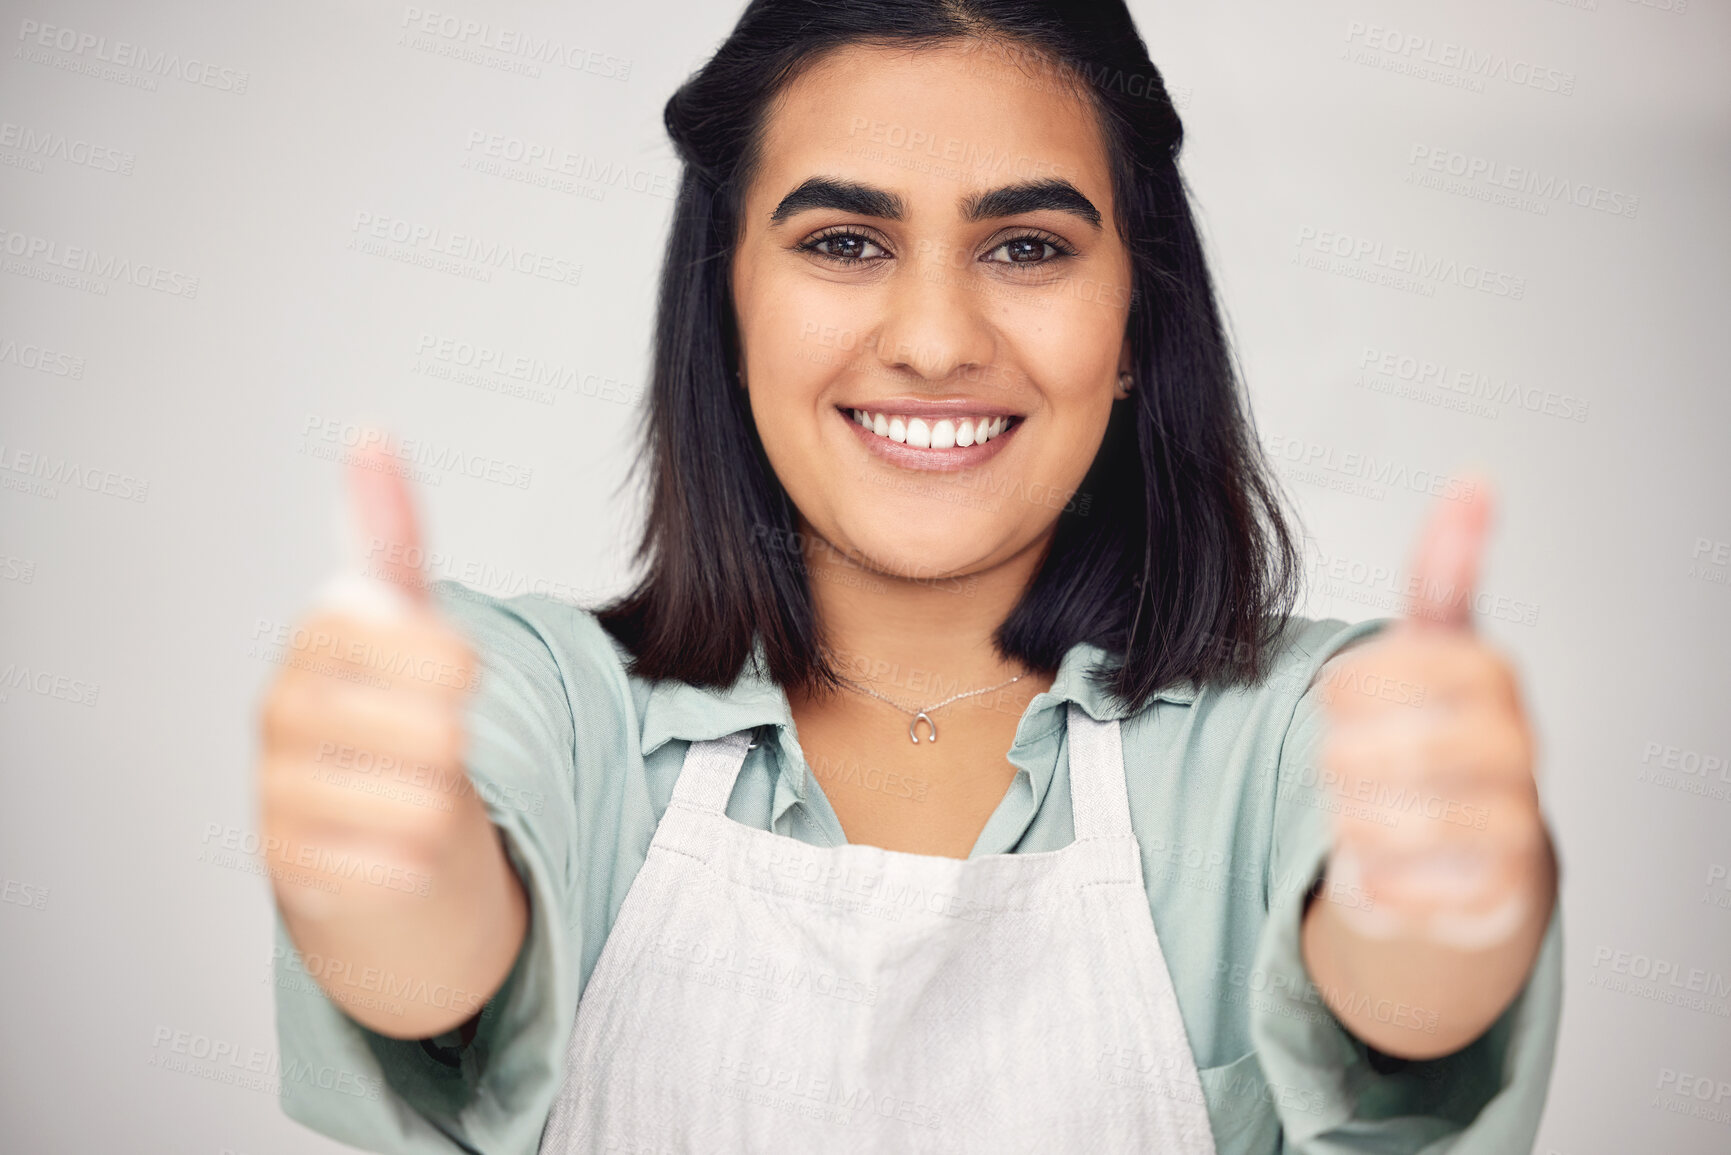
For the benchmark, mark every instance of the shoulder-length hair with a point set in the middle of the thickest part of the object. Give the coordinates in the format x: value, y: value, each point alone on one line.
x: 1182, y: 567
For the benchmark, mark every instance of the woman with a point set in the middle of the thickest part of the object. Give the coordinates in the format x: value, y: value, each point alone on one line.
x: 943, y: 440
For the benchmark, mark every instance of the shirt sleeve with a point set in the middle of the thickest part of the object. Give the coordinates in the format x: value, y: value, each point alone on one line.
x: 492, y: 1093
x: 1333, y: 1093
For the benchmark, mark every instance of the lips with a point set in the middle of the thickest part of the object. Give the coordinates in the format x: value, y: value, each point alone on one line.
x: 933, y: 432
x: 929, y: 435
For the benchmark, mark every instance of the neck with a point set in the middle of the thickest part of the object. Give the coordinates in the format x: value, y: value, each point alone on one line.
x: 915, y: 638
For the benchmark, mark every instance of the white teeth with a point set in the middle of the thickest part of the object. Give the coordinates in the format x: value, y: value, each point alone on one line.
x: 922, y: 433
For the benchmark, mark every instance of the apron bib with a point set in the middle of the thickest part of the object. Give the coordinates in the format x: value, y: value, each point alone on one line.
x: 759, y: 994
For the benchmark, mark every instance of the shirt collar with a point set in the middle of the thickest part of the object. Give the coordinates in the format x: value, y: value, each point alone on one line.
x: 677, y: 709
x: 1073, y: 684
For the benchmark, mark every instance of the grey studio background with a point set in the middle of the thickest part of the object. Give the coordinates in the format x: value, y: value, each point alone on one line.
x: 1485, y: 232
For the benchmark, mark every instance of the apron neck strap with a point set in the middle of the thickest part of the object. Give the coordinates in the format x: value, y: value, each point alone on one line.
x: 1099, y: 801
x: 706, y: 779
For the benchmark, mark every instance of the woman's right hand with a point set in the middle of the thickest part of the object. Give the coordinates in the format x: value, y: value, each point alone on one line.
x: 390, y: 876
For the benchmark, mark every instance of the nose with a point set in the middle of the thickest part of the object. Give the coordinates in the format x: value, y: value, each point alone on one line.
x: 935, y: 324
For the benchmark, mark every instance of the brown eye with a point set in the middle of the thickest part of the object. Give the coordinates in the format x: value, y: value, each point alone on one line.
x: 1028, y: 250
x: 844, y: 248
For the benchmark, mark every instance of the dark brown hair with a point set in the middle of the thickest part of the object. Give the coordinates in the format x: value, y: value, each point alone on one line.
x: 1181, y: 565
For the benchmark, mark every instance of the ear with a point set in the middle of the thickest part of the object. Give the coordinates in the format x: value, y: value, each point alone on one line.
x: 1125, y: 382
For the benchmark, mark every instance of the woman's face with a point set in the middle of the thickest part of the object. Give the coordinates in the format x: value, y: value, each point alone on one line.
x: 929, y: 248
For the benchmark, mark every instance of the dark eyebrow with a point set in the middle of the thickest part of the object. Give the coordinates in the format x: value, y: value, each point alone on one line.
x: 848, y: 196
x: 867, y: 201
x: 1031, y: 196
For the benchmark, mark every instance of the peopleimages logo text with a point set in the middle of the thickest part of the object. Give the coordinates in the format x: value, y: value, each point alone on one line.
x: 1414, y: 263
x: 1473, y: 62
x: 124, y: 54
x: 515, y: 42
x: 431, y: 455
x: 106, y: 266
x: 1543, y: 187
x: 466, y: 247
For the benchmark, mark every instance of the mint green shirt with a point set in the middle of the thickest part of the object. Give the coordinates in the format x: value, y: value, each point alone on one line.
x: 576, y: 760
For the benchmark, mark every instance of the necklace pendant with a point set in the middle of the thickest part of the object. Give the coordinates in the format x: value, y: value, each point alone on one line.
x: 913, y: 727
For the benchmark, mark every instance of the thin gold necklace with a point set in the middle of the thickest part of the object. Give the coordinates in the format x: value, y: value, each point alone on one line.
x: 926, y: 712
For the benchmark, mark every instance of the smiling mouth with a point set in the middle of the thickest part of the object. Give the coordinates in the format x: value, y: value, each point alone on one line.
x: 933, y: 432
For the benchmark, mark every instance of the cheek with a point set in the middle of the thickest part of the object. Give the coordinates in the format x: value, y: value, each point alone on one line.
x: 786, y: 360
x: 786, y: 425
x: 1074, y: 357
x: 1075, y: 441
x: 786, y: 398
x: 800, y: 337
x: 793, y: 326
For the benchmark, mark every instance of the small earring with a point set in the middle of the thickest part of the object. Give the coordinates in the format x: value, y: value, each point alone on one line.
x: 1125, y: 383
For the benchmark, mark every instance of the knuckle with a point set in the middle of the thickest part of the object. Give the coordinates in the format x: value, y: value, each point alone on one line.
x: 1338, y: 748
x: 454, y: 654
x: 1407, y: 744
x: 1488, y: 669
x: 423, y: 831
x: 278, y: 787
x: 286, y: 708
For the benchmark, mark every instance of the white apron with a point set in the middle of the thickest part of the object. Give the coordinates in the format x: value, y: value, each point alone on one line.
x: 759, y: 994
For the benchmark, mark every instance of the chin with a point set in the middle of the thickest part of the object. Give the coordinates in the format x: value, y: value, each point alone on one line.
x: 924, y: 543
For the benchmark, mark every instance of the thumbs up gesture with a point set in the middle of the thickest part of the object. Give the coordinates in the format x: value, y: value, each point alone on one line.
x: 1437, y: 819
x: 381, y: 855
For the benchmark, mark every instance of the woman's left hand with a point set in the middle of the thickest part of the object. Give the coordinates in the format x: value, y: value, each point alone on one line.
x: 1438, y: 836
